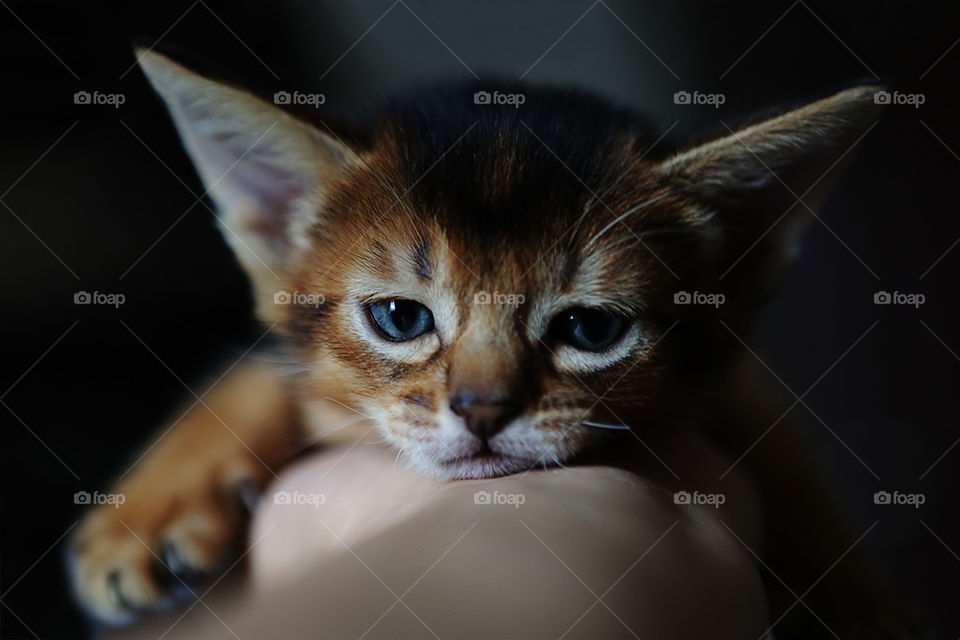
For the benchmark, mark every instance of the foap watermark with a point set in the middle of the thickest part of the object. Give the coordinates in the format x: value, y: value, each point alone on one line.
x: 896, y: 98
x: 85, y: 497
x: 97, y: 297
x: 310, y: 99
x: 697, y: 98
x: 897, y: 498
x: 299, y: 298
x: 297, y: 498
x: 496, y: 497
x: 96, y: 97
x: 697, y: 297
x: 712, y: 499
x: 486, y: 97
x: 508, y: 299
x: 896, y: 297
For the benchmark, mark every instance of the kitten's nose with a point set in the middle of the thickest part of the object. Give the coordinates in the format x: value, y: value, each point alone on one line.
x: 484, y: 416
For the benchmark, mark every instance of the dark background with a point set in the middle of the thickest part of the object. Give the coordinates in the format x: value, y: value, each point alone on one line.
x: 86, y: 205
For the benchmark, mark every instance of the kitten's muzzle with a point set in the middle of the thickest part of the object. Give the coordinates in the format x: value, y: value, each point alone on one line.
x: 484, y: 415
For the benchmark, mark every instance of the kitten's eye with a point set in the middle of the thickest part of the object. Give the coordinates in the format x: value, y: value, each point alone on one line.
x: 400, y: 320
x: 587, y: 329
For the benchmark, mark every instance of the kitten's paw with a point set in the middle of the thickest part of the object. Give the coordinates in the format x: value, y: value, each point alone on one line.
x: 151, y: 550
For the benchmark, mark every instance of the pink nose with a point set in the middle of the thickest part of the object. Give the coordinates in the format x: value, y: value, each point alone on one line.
x: 485, y: 416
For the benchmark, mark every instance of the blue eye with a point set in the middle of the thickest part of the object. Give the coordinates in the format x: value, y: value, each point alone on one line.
x: 587, y: 329
x: 400, y: 320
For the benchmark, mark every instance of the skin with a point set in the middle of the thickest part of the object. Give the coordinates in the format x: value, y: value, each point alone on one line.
x: 608, y: 523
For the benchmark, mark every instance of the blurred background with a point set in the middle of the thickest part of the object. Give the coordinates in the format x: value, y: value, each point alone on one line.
x: 101, y: 198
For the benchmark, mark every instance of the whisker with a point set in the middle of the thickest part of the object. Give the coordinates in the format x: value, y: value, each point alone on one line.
x: 681, y: 229
x: 326, y: 434
x: 636, y: 208
x: 572, y: 232
x: 289, y: 370
x: 347, y: 407
x: 273, y: 358
x: 622, y: 216
x: 605, y: 426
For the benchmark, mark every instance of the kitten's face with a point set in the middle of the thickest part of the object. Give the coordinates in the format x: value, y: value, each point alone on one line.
x: 482, y: 327
x: 493, y: 279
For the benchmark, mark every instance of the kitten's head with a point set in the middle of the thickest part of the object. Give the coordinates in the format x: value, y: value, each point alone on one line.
x: 490, y: 283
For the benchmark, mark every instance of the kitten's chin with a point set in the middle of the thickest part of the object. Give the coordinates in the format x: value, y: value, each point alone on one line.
x: 474, y: 467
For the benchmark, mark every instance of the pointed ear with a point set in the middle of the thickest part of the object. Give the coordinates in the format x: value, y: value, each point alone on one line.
x: 264, y: 170
x: 764, y: 183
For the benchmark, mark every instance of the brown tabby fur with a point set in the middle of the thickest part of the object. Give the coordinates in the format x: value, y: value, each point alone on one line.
x: 418, y: 203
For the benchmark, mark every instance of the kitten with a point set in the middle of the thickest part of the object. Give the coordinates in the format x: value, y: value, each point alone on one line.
x: 489, y: 285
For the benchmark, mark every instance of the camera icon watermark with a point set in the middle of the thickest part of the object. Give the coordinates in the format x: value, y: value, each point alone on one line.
x: 496, y: 497
x: 96, y: 98
x: 897, y: 498
x: 896, y: 98
x: 696, y: 498
x: 297, y: 498
x: 697, y: 98
x: 297, y: 98
x: 110, y: 299
x: 512, y: 99
x: 97, y: 498
x: 714, y: 300
x: 907, y: 299
x: 299, y: 298
x: 508, y: 299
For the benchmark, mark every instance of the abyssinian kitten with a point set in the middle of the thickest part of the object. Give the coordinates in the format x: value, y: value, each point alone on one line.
x: 369, y: 245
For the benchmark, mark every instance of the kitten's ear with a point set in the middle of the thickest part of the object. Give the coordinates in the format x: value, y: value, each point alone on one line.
x: 752, y: 179
x: 264, y: 169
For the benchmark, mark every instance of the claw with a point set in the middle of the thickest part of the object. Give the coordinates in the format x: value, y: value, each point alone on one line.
x: 248, y: 493
x: 123, y: 603
x: 179, y: 566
